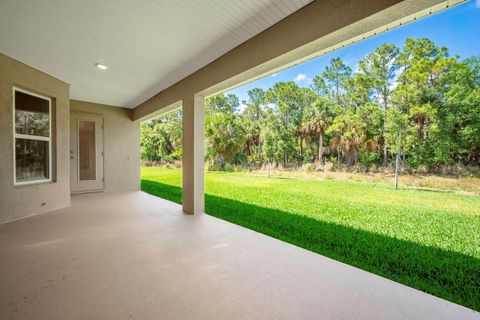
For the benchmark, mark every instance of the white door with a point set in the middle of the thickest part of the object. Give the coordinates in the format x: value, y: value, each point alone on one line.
x: 86, y: 152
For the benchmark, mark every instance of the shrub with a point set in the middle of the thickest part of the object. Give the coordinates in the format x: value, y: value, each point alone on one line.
x: 309, y: 167
x: 329, y: 167
x: 367, y: 160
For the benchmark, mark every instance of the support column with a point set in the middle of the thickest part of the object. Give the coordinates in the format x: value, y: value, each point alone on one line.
x: 193, y: 108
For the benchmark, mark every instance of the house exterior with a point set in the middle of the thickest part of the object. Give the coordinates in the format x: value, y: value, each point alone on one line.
x: 38, y: 192
x: 76, y: 80
x: 40, y: 172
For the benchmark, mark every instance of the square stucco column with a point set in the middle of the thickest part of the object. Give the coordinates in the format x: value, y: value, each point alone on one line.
x: 193, y: 108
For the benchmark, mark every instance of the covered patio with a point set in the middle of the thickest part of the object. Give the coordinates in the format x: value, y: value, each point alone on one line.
x: 135, y: 256
x: 88, y: 72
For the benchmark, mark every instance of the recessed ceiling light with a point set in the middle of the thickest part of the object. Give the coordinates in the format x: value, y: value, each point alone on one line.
x: 101, y: 66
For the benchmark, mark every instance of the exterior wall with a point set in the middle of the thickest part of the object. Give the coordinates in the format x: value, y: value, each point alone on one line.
x: 22, y: 201
x: 121, y: 145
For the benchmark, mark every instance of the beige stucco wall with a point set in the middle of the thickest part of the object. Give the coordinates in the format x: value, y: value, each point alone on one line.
x: 121, y: 145
x: 21, y: 201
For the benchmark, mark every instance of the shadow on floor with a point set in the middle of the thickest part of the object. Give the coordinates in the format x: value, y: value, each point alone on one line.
x: 449, y: 275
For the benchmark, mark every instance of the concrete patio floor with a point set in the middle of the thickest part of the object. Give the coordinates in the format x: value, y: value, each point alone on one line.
x: 135, y: 256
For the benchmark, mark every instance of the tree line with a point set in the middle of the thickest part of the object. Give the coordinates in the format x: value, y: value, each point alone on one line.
x: 415, y: 105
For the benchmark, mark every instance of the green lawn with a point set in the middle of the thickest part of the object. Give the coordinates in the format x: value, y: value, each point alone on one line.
x: 426, y: 240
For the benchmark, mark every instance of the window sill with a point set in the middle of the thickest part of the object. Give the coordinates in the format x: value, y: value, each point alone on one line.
x: 30, y: 183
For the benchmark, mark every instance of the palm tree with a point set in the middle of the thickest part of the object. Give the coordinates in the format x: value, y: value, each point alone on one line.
x: 318, y: 117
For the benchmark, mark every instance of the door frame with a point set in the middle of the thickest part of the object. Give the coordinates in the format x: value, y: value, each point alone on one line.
x: 96, y: 118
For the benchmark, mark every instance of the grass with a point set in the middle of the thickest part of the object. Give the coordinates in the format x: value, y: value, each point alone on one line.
x: 423, y: 239
x: 461, y: 185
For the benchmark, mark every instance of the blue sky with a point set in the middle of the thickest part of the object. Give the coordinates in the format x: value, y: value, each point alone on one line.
x: 457, y: 28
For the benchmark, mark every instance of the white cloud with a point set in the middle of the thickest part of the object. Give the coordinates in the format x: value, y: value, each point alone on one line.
x: 357, y: 68
x: 241, y: 107
x: 300, y: 77
x: 275, y: 74
x: 477, y: 3
x: 303, y: 78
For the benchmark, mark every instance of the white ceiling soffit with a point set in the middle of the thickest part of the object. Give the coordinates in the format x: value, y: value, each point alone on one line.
x: 148, y: 45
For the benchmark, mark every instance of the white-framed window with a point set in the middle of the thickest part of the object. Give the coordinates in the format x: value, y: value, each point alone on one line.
x: 32, y: 137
